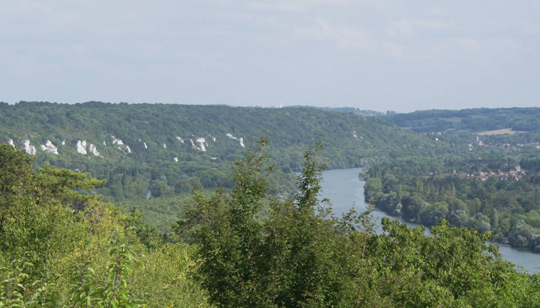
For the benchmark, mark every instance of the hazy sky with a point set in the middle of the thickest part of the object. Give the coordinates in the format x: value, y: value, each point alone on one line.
x: 370, y: 54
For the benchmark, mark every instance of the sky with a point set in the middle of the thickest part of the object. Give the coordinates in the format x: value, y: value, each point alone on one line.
x: 368, y: 54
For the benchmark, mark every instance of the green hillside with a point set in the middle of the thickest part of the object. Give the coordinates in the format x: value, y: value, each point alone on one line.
x: 492, y: 186
x: 59, y: 248
x: 167, y: 149
x: 472, y: 120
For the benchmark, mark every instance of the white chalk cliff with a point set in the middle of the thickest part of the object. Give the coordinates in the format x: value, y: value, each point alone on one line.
x: 81, y: 147
x: 30, y: 149
x: 241, y: 140
x: 49, y: 147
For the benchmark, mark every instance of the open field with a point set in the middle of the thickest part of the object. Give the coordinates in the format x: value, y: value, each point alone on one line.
x: 503, y: 131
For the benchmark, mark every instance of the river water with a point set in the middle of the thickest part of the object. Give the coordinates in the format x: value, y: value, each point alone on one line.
x: 344, y: 190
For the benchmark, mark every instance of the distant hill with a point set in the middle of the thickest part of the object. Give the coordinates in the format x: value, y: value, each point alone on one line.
x: 166, y: 149
x: 352, y: 110
x: 469, y: 120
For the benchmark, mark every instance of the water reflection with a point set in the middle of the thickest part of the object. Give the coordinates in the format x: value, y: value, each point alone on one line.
x: 344, y: 190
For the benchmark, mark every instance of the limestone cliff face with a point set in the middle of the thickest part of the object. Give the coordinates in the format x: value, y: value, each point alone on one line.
x: 152, y: 142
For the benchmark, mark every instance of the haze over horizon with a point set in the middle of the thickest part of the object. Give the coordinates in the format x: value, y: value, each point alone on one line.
x: 368, y: 54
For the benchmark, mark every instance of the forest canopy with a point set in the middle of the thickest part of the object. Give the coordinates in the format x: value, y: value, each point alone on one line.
x: 63, y: 249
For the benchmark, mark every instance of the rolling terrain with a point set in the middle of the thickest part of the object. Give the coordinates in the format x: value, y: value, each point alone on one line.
x: 166, y: 149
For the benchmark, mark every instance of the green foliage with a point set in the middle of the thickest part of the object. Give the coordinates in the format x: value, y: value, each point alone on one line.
x: 146, y: 234
x: 245, y: 247
x: 115, y: 293
x: 351, y: 140
x: 450, y: 268
x: 465, y: 191
x: 59, y: 248
x: 62, y: 184
x: 18, y: 289
x: 237, y: 267
x: 469, y: 120
x: 228, y: 234
x: 302, y: 256
x: 160, y: 213
x: 165, y: 280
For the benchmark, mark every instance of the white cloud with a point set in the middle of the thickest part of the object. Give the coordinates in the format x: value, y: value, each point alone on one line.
x: 410, y: 27
x: 306, y: 5
x: 457, y: 45
x: 343, y: 37
x: 508, y: 46
x: 468, y: 43
x: 348, y: 38
x: 485, y: 47
x: 167, y: 50
x: 294, y: 5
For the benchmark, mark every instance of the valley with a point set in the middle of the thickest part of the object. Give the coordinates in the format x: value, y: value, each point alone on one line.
x: 233, y: 196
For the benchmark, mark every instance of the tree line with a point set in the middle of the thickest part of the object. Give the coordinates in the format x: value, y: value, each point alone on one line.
x: 164, y: 156
x: 59, y: 248
x: 495, y: 194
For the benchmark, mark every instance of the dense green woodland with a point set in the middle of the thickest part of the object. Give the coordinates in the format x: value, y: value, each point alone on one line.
x: 141, y: 166
x: 484, y: 194
x: 469, y: 120
x: 246, y: 237
x: 152, y: 152
x: 524, y: 123
x: 59, y: 248
x: 493, y: 186
x: 159, y: 151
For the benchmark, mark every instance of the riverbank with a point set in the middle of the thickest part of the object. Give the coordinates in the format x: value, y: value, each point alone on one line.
x: 344, y: 189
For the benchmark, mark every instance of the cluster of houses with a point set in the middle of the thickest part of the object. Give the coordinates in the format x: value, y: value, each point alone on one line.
x: 512, y: 174
x: 506, y: 146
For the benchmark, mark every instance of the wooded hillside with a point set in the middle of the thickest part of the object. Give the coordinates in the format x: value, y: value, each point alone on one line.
x: 167, y: 149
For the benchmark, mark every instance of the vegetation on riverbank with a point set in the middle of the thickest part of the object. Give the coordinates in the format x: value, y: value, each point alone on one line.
x: 62, y: 249
x: 494, y: 194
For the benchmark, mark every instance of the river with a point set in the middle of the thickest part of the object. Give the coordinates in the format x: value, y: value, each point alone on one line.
x: 344, y: 190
